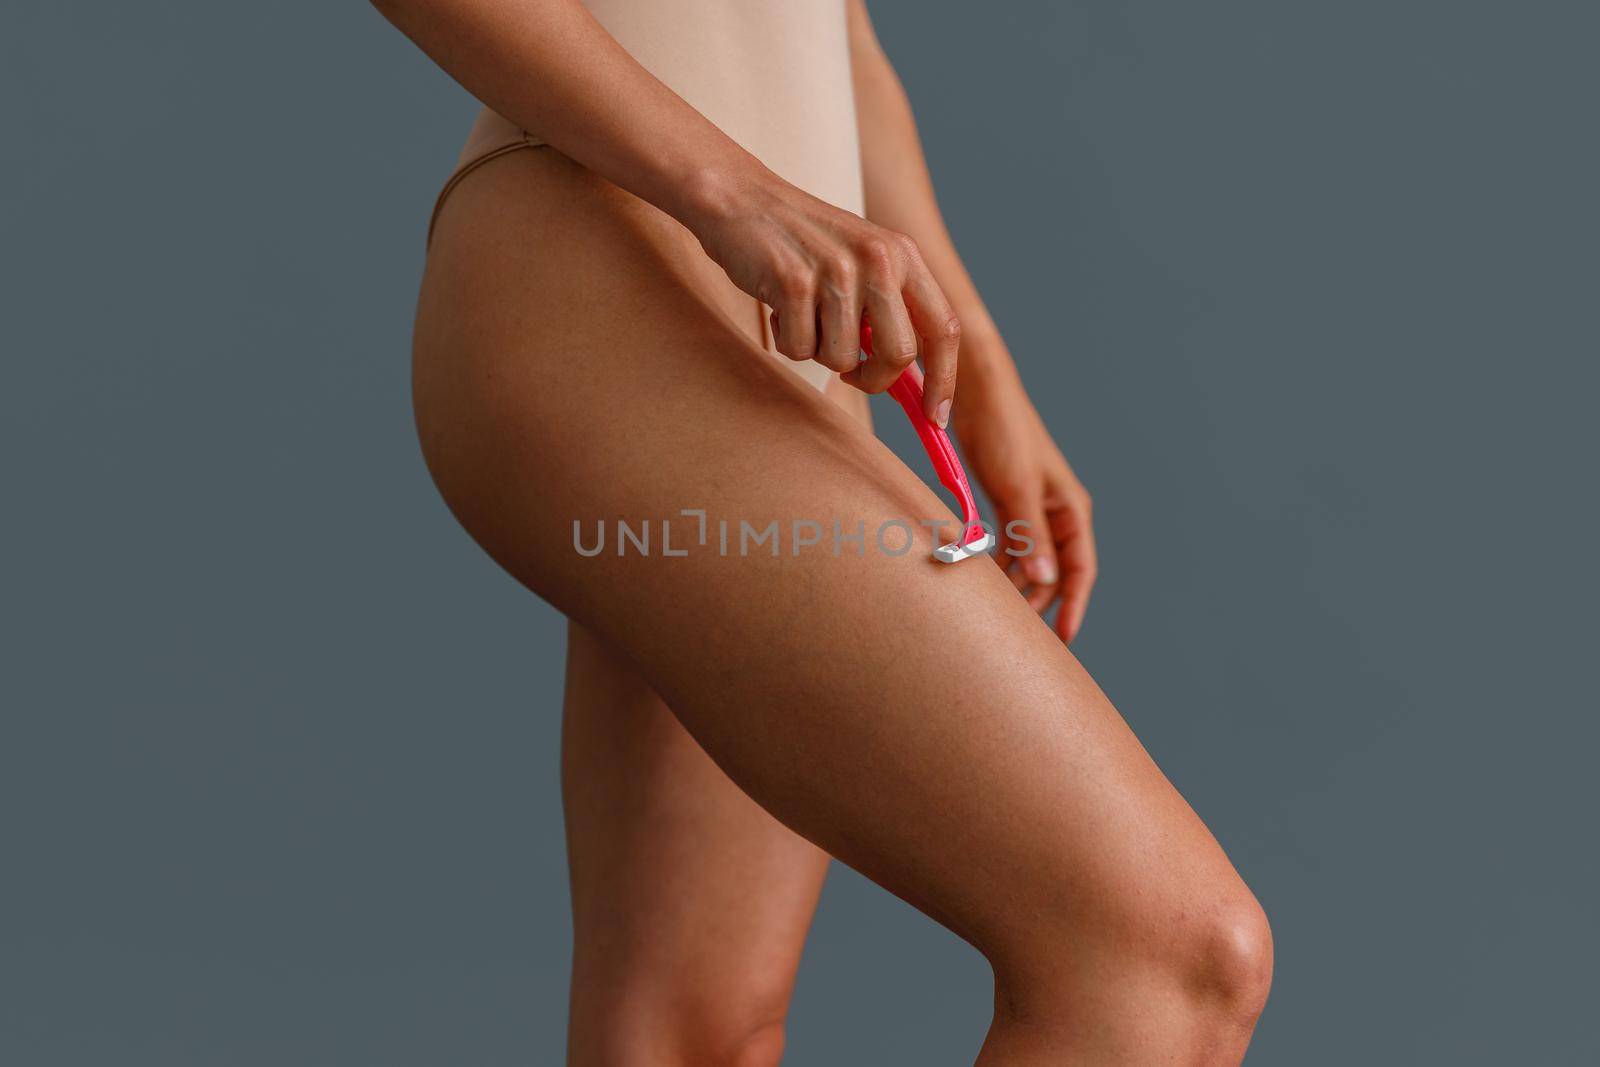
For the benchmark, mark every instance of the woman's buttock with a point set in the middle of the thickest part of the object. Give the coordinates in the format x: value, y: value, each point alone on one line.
x: 577, y: 358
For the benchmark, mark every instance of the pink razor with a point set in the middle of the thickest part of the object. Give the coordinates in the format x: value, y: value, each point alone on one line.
x: 907, y: 391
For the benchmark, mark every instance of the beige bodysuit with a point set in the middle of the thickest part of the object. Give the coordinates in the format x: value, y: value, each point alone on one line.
x: 772, y: 74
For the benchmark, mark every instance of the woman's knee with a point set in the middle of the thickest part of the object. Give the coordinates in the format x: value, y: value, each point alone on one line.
x: 692, y: 1023
x: 720, y: 1040
x: 1200, y: 945
x: 740, y: 1025
x: 760, y: 1047
x: 1230, y: 959
x: 1210, y: 946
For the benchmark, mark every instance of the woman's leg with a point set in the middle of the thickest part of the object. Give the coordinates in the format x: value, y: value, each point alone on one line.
x: 690, y: 903
x: 575, y: 362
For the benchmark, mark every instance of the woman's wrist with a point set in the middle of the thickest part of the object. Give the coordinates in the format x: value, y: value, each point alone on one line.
x: 708, y: 194
x: 985, y: 361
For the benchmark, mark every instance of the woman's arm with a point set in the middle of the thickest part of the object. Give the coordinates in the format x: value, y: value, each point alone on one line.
x: 549, y: 66
x: 1007, y: 444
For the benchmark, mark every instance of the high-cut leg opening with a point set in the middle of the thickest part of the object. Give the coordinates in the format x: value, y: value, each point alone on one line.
x: 466, y: 167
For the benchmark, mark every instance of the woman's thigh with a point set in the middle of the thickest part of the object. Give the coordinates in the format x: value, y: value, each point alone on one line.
x: 914, y: 719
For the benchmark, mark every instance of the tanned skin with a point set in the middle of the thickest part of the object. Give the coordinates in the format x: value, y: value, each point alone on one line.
x: 586, y: 348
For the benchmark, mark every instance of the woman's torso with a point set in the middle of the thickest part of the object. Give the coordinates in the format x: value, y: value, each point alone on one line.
x: 772, y: 74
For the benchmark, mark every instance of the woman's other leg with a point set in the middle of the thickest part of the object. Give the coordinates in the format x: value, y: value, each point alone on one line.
x: 690, y: 903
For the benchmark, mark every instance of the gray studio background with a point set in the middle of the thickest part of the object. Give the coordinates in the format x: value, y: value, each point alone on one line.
x: 1306, y: 290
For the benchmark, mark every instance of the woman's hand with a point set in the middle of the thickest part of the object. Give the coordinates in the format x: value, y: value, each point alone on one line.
x: 1028, y: 479
x: 820, y: 268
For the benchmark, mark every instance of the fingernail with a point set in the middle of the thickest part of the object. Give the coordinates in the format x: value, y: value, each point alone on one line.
x: 1041, y: 570
x: 942, y: 416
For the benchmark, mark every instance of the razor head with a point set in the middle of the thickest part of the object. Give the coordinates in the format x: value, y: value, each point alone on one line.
x: 955, y: 551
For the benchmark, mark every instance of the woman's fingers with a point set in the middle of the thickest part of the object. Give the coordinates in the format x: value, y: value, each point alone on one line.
x: 819, y: 268
x: 1072, y: 529
x: 819, y: 298
x: 1049, y: 539
x: 936, y: 323
x: 1032, y: 538
x: 794, y: 326
x: 894, y: 342
x: 839, y: 347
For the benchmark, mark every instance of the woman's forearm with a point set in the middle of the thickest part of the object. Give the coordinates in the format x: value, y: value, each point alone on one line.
x: 899, y: 191
x: 550, y: 67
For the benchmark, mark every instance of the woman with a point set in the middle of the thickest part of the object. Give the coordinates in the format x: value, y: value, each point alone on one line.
x: 643, y: 296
